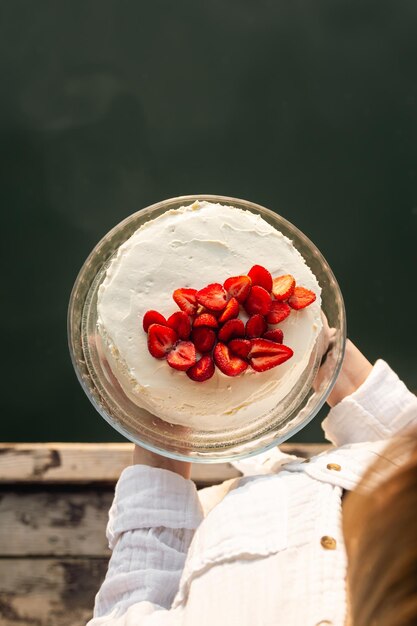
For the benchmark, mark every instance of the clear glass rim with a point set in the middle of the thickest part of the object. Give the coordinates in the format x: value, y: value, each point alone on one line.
x: 78, y: 289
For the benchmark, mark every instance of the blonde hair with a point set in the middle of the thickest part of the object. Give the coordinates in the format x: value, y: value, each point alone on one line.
x: 380, y: 528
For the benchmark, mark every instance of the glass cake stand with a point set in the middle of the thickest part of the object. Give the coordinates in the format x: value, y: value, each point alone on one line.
x: 153, y: 433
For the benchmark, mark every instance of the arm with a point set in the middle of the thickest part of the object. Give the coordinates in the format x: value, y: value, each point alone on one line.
x: 151, y: 524
x: 368, y: 403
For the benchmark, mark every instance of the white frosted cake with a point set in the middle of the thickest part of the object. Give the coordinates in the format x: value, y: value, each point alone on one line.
x: 190, y: 248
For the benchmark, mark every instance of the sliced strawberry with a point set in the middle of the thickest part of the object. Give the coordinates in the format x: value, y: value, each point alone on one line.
x: 265, y: 354
x: 283, y: 287
x: 181, y: 323
x: 240, y: 347
x: 152, y: 317
x: 213, y: 297
x: 232, y: 328
x: 182, y: 356
x: 202, y: 370
x: 258, y: 301
x: 265, y: 347
x: 161, y: 339
x: 274, y: 335
x: 203, y: 338
x: 231, y: 310
x: 226, y: 362
x: 260, y: 276
x: 279, y: 312
x: 238, y: 287
x: 186, y: 300
x: 255, y: 326
x: 205, y: 319
x: 263, y: 363
x: 301, y: 298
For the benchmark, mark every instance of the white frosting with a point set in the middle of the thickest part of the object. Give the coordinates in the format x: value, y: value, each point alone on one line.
x: 191, y: 247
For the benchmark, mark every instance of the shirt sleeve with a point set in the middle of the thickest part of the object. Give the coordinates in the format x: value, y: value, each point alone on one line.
x: 379, y: 409
x: 151, y: 524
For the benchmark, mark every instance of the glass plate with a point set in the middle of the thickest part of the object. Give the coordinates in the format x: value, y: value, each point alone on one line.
x: 149, y: 431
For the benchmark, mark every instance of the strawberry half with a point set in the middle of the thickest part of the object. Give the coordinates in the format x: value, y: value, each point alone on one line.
x: 182, y: 356
x: 283, y: 287
x: 231, y: 310
x: 152, y: 317
x: 238, y: 287
x: 202, y: 370
x: 232, y: 328
x: 264, y: 347
x: 260, y: 276
x: 258, y: 301
x: 265, y: 354
x: 186, y: 300
x: 301, y: 298
x: 226, y: 362
x: 205, y: 319
x: 274, y: 335
x: 264, y: 363
x: 240, y: 347
x: 161, y: 339
x: 279, y: 312
x: 203, y: 338
x: 213, y: 297
x: 255, y: 326
x: 180, y: 322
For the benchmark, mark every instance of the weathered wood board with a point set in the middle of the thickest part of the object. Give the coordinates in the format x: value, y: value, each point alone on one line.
x: 56, y: 522
x: 49, y: 592
x: 89, y: 462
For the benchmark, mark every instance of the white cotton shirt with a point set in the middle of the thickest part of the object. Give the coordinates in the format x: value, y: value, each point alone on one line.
x: 266, y: 549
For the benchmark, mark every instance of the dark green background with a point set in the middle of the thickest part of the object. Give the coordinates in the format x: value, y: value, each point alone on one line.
x: 309, y: 108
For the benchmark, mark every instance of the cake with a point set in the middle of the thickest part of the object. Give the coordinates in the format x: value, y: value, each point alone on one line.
x: 191, y: 248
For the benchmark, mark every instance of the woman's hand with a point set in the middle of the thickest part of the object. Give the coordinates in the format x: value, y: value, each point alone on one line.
x: 354, y: 372
x: 355, y: 367
x: 145, y: 457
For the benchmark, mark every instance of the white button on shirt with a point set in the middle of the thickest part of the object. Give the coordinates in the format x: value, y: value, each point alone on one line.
x: 270, y: 551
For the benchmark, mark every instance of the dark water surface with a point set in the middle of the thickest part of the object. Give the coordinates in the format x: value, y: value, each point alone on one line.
x: 307, y: 108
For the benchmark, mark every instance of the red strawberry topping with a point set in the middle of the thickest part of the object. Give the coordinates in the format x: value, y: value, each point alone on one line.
x: 186, y: 300
x: 240, y: 347
x: 161, y: 339
x: 152, y: 317
x: 213, y: 297
x: 274, y: 335
x: 260, y: 276
x: 265, y: 354
x: 279, y: 312
x: 205, y: 319
x: 202, y: 370
x: 182, y: 356
x: 204, y: 338
x: 301, y: 298
x: 208, y: 324
x: 283, y: 287
x: 238, y: 287
x: 226, y: 362
x: 258, y: 301
x: 232, y: 328
x: 180, y: 322
x: 255, y: 326
x: 231, y: 310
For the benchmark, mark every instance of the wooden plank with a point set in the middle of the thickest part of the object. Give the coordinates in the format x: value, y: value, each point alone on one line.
x: 63, y: 462
x: 81, y: 463
x: 54, y: 522
x: 49, y: 592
